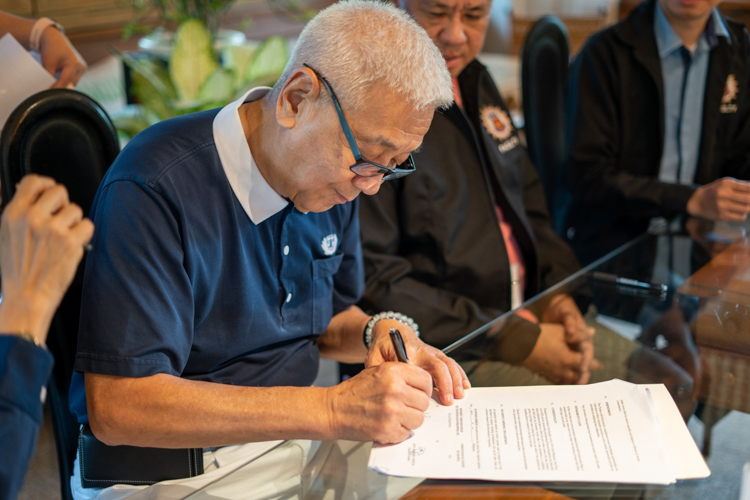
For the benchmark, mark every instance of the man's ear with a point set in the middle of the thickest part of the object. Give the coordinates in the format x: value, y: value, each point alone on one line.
x: 300, y: 91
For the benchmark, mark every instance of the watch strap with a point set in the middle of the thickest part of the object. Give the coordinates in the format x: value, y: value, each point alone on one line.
x: 35, y: 37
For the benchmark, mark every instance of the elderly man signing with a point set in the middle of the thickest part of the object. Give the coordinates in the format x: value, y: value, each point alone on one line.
x: 229, y: 259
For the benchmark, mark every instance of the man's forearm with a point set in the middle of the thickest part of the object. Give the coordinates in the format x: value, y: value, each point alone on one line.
x: 19, y: 27
x: 342, y: 340
x: 165, y: 411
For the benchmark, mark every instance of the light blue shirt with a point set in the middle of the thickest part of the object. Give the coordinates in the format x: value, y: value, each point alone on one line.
x: 682, y: 154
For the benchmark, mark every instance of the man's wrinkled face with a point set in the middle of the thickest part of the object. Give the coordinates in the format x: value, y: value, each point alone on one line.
x: 386, y: 130
x: 687, y: 10
x: 457, y: 27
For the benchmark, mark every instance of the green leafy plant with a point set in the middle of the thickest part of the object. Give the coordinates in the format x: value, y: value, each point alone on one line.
x: 197, y: 78
x: 174, y: 12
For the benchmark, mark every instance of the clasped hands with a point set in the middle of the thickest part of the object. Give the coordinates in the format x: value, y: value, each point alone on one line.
x: 723, y: 199
x: 564, y: 351
x: 387, y: 400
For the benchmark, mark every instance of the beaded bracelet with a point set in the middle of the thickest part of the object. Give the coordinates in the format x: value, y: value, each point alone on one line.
x: 401, y: 318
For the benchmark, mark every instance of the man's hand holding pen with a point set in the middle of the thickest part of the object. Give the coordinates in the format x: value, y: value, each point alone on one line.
x: 447, y: 375
x: 387, y: 400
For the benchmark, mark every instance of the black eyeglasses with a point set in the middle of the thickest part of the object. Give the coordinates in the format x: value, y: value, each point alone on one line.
x: 365, y: 168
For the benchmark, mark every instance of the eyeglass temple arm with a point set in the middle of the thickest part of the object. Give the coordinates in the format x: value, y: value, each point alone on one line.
x: 347, y: 130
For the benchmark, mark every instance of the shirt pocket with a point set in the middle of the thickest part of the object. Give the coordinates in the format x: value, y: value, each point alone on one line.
x: 322, y: 291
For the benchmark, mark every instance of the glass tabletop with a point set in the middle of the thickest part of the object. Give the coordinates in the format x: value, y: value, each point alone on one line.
x: 671, y: 307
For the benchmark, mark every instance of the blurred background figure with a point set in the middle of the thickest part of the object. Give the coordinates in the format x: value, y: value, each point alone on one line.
x: 661, y: 124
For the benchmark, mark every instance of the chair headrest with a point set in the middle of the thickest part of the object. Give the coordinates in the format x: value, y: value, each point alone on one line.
x: 63, y: 134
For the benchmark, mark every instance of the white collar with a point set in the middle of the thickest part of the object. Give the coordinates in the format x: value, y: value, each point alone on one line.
x: 256, y: 196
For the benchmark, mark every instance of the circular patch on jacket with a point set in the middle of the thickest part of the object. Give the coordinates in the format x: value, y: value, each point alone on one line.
x: 497, y: 122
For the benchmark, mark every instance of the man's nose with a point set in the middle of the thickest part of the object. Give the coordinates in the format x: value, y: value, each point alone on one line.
x: 453, y: 33
x: 368, y: 185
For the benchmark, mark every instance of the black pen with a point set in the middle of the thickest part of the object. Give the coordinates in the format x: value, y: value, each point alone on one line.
x: 659, y: 288
x: 398, y: 345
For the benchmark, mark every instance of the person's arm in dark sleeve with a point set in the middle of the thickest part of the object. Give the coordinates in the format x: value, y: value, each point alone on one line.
x: 555, y: 258
x: 24, y: 371
x: 443, y: 316
x: 596, y: 144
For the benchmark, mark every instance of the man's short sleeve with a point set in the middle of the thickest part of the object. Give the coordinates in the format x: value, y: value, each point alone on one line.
x: 137, y: 307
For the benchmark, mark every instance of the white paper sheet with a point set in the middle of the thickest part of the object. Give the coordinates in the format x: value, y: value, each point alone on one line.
x: 604, y: 432
x: 745, y: 486
x: 21, y: 76
x: 686, y: 455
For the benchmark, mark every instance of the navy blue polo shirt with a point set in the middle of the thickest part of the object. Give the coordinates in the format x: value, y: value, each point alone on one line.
x: 182, y: 281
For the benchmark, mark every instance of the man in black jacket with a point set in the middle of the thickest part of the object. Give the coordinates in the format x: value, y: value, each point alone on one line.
x: 661, y: 124
x: 467, y: 237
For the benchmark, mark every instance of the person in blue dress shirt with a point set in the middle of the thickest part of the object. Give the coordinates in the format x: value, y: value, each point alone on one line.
x: 42, y: 236
x: 661, y: 124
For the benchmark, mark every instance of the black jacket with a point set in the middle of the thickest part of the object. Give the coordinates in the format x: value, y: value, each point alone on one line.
x: 617, y: 135
x: 433, y: 247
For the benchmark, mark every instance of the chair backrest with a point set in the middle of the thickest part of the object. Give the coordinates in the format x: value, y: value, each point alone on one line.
x: 65, y: 135
x: 544, y: 87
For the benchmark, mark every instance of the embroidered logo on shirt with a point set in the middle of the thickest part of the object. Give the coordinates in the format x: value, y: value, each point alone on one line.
x: 497, y: 122
x: 329, y: 244
x: 731, y: 88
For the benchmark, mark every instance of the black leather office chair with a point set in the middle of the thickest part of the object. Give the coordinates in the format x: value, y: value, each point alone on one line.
x: 544, y: 87
x: 65, y: 135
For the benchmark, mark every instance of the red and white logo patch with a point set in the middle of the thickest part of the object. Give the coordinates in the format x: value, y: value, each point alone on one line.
x: 497, y: 122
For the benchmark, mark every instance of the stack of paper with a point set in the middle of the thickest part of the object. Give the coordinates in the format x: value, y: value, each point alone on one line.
x: 21, y: 76
x: 608, y: 432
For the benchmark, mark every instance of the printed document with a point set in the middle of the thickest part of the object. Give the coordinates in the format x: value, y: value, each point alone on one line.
x: 21, y: 76
x: 607, y: 432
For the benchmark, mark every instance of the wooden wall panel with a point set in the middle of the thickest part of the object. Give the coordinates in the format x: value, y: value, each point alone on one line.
x: 737, y: 10
x: 94, y: 25
x: 85, y: 15
x: 18, y: 7
x: 79, y: 16
x: 579, y: 30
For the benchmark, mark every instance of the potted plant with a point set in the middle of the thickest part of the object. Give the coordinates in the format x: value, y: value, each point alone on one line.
x: 198, y: 74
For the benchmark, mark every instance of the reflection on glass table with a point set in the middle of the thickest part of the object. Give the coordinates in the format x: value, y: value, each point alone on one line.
x: 671, y: 308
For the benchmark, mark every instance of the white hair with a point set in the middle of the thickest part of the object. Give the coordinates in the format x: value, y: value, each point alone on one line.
x: 358, y: 45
